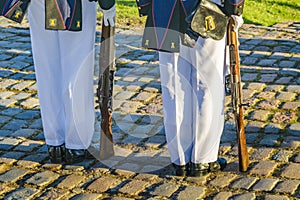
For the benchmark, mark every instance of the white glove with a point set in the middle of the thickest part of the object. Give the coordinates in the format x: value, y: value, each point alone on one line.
x: 238, y: 22
x: 109, y: 16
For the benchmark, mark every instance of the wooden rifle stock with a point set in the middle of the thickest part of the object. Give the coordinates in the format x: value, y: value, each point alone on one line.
x: 236, y: 95
x: 105, y: 89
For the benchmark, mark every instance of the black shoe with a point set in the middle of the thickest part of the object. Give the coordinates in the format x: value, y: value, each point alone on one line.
x: 57, y: 153
x: 75, y: 155
x: 198, y: 169
x: 218, y: 165
x: 181, y: 170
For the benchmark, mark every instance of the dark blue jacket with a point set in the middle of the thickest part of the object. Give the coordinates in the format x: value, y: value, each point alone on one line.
x: 60, y: 14
x: 67, y: 14
x: 14, y: 9
x: 165, y: 22
x: 63, y: 15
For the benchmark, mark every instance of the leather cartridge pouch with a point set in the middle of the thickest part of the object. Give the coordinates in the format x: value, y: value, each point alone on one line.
x: 14, y: 9
x: 207, y: 21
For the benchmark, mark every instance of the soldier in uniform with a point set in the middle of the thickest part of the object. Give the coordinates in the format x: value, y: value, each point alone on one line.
x: 64, y: 64
x: 192, y: 80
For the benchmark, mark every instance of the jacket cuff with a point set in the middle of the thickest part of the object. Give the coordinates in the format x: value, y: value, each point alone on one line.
x: 106, y: 4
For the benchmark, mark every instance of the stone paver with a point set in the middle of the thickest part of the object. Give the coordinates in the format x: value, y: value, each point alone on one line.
x: 274, y: 197
x: 191, y: 192
x: 287, y: 186
x: 247, y: 196
x: 22, y: 194
x: 244, y: 183
x: 134, y: 187
x: 291, y: 171
x: 222, y: 180
x: 261, y: 154
x: 222, y: 195
x: 265, y: 184
x: 165, y: 190
x: 53, y: 193
x: 42, y: 178
x: 71, y: 181
x: 263, y: 168
x: 13, y: 175
x: 103, y: 184
x: 140, y: 168
x: 87, y: 196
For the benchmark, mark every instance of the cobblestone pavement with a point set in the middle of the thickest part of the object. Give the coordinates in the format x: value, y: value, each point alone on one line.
x: 270, y: 58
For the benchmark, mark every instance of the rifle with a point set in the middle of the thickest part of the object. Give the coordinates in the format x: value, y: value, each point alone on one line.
x: 236, y: 95
x: 105, y: 89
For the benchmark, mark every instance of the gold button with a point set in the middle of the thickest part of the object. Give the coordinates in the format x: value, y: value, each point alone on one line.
x: 172, y: 45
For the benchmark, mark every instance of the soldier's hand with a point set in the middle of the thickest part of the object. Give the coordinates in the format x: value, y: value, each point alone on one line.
x: 238, y: 22
x: 109, y: 16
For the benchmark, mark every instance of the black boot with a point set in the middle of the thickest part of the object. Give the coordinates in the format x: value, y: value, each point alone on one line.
x: 75, y: 155
x: 57, y: 153
x: 181, y: 170
x: 198, y: 169
x: 218, y: 165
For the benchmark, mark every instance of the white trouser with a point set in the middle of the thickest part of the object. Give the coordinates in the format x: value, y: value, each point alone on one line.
x: 193, y: 100
x: 64, y: 64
